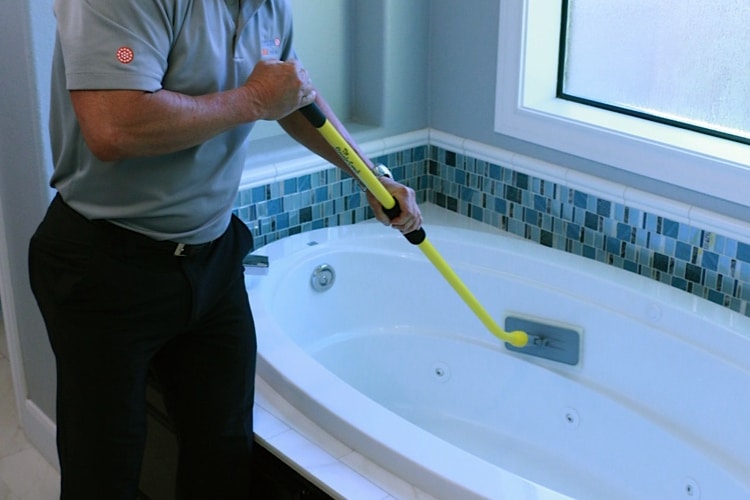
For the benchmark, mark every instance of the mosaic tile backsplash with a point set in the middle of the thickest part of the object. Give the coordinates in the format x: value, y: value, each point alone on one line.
x: 696, y: 260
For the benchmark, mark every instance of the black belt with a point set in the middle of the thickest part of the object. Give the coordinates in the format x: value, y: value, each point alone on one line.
x: 185, y: 250
x: 144, y: 242
x: 120, y: 237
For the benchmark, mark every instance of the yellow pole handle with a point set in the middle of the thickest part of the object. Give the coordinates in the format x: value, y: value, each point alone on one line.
x: 362, y: 171
x: 357, y: 164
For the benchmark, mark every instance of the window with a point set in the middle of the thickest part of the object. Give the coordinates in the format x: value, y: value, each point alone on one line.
x: 679, y: 62
x: 533, y: 104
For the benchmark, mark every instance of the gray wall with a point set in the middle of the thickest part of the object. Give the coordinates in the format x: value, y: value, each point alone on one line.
x: 24, y: 169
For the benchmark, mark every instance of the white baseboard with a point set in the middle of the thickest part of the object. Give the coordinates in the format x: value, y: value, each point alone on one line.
x: 41, y: 431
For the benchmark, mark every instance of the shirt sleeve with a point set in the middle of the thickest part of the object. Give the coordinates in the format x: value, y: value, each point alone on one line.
x: 114, y: 44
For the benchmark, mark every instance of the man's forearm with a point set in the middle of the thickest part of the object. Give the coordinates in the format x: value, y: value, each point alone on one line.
x: 121, y: 124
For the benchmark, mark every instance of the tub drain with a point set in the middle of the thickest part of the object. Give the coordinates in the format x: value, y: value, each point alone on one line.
x: 442, y: 372
x: 322, y: 278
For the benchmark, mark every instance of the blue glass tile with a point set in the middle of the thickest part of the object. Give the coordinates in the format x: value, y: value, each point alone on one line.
x: 496, y: 172
x: 501, y: 206
x: 546, y: 238
x: 516, y: 227
x: 634, y: 217
x: 468, y: 194
x: 730, y: 247
x: 710, y: 260
x: 547, y: 223
x: 564, y: 195
x: 568, y: 212
x: 589, y: 252
x: 579, y: 216
x: 716, y: 297
x: 661, y: 262
x: 591, y: 221
x: 619, y: 212
x: 460, y: 177
x: 642, y: 237
x: 573, y: 231
x: 693, y: 273
x: 356, y: 199
x: 670, y: 228
x: 521, y: 181
x: 690, y: 234
x: 306, y: 215
x: 274, y: 207
x: 683, y: 251
x: 540, y: 203
x: 613, y: 246
x: 282, y: 221
x: 246, y: 197
x: 580, y: 200
x: 725, y: 266
x: 450, y: 158
x: 320, y: 194
x: 477, y: 213
x: 743, y: 252
x: 624, y: 232
x: 531, y: 216
x: 258, y: 194
x: 603, y: 207
x: 656, y: 242
x: 631, y: 252
x: 274, y: 190
x: 513, y: 194
x: 679, y: 283
x: 590, y: 238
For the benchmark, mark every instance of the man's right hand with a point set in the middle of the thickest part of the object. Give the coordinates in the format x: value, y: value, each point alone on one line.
x: 278, y: 88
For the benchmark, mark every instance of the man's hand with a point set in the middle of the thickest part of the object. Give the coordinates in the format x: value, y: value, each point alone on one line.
x: 277, y: 88
x: 410, y: 218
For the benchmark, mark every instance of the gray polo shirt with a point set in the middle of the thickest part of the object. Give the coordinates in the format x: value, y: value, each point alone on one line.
x: 193, y: 47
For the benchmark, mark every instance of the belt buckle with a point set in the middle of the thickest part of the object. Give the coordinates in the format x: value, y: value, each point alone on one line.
x: 179, y: 250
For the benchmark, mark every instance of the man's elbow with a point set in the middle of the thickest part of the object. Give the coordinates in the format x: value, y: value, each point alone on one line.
x: 106, y: 144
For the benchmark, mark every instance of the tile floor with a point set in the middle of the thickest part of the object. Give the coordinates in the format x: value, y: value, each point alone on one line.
x: 24, y: 473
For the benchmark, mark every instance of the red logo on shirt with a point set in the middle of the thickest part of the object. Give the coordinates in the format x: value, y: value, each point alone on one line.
x: 125, y: 55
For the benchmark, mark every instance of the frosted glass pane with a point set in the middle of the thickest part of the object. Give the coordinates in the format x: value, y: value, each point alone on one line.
x: 683, y: 60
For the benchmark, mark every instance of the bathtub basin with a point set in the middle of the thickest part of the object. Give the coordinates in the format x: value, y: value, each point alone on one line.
x: 390, y: 361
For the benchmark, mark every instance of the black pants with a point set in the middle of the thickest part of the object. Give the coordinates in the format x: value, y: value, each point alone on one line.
x: 117, y: 304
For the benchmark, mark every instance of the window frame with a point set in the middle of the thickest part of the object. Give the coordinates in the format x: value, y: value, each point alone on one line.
x: 527, y: 107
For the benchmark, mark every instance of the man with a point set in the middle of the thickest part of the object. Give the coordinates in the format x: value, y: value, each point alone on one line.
x: 137, y: 265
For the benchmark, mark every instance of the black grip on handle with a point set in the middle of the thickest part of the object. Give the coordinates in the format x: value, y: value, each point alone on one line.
x: 415, y: 237
x: 314, y: 115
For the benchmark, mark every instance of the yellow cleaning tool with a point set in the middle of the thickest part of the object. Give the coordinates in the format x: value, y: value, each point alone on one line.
x: 316, y: 117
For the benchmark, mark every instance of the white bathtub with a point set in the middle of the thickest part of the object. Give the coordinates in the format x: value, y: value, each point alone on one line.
x: 390, y: 364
